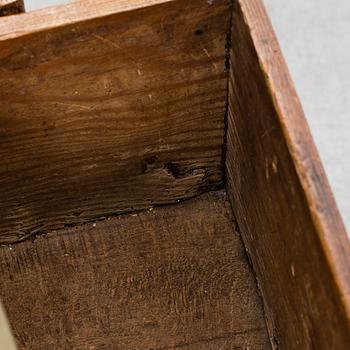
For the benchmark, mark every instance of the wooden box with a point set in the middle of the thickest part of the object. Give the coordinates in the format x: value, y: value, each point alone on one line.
x: 159, y: 186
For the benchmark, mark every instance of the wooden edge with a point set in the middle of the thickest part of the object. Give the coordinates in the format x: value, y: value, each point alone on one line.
x: 52, y: 17
x: 331, y: 230
x: 11, y: 7
x: 281, y: 197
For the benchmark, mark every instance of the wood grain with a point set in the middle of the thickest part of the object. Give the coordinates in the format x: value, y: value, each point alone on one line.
x: 280, y: 195
x: 111, y: 115
x: 11, y: 7
x: 67, y: 14
x: 175, y: 277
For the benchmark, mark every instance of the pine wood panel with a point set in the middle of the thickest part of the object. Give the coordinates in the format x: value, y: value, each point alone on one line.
x: 281, y: 197
x: 111, y: 114
x: 175, y: 277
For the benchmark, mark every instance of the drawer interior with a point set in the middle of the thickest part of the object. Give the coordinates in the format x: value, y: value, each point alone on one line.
x: 159, y: 186
x: 104, y: 123
x: 112, y: 114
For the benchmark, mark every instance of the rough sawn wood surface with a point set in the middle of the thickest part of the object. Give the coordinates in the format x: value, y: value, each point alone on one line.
x: 175, y: 277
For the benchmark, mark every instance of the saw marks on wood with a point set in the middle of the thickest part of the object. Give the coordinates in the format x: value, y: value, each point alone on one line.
x: 175, y: 277
x: 111, y: 115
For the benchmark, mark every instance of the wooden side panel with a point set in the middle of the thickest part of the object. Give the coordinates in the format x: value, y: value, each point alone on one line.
x: 11, y: 7
x: 111, y: 115
x: 280, y: 195
x: 176, y: 277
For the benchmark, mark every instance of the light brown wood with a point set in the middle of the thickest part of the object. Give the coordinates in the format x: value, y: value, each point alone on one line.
x: 11, y: 7
x: 110, y: 115
x: 174, y: 277
x: 67, y: 14
x: 281, y: 197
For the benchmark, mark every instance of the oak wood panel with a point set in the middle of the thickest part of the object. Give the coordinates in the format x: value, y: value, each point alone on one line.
x: 280, y: 195
x: 11, y: 7
x: 175, y: 277
x: 111, y: 115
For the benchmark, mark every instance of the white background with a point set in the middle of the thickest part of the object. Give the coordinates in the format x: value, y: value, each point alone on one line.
x: 315, y: 39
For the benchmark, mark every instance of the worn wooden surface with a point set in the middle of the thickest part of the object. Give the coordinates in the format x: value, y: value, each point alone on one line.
x: 175, y: 277
x: 11, y: 7
x: 67, y: 14
x: 111, y: 114
x: 281, y: 197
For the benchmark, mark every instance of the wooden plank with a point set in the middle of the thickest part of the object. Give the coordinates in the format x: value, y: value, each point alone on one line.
x: 280, y: 195
x: 175, y: 277
x: 11, y: 7
x: 112, y: 114
x: 67, y: 14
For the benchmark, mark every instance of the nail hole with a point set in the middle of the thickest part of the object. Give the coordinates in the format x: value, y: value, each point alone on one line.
x: 173, y: 169
x: 199, y: 32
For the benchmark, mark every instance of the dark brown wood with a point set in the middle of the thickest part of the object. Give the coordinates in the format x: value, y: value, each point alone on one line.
x: 11, y: 7
x: 113, y: 106
x: 73, y: 12
x: 174, y: 277
x: 281, y: 197
x: 109, y: 115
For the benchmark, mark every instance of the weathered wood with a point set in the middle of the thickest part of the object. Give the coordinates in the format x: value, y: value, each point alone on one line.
x: 11, y: 7
x: 67, y: 14
x: 109, y: 115
x: 115, y: 106
x: 281, y: 197
x: 174, y: 277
